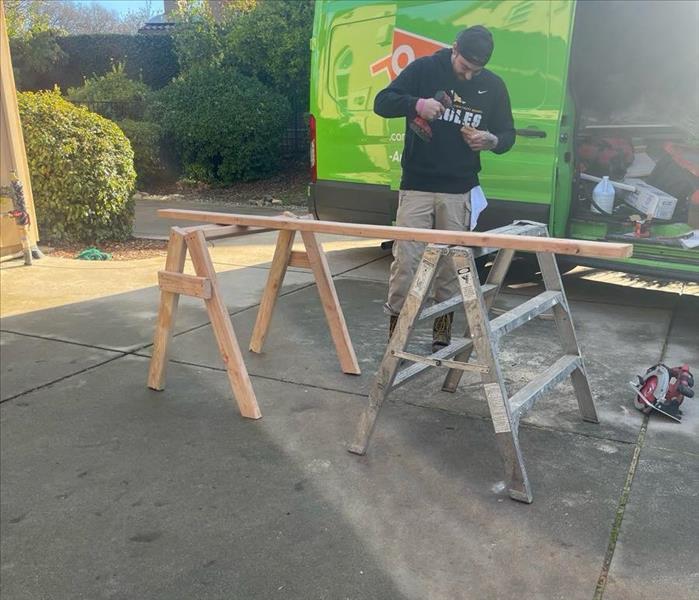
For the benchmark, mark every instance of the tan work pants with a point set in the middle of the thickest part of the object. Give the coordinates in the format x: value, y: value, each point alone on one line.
x: 426, y: 210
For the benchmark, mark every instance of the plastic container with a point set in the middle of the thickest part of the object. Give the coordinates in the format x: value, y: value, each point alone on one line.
x: 603, y: 196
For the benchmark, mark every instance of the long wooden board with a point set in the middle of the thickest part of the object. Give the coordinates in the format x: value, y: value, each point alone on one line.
x: 434, y: 236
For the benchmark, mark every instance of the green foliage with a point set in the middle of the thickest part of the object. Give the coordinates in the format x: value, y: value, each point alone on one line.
x: 226, y: 126
x: 267, y: 39
x: 145, y: 139
x: 34, y: 57
x: 125, y: 101
x: 147, y: 58
x: 272, y: 43
x: 25, y: 18
x: 114, y: 95
x: 82, y: 171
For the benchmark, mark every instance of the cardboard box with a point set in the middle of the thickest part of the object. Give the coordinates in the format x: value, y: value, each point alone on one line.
x: 650, y: 200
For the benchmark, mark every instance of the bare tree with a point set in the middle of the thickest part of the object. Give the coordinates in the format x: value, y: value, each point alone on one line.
x: 71, y: 18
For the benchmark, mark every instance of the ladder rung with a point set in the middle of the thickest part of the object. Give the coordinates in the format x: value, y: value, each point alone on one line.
x: 456, y: 346
x: 523, y: 400
x: 448, y: 305
x: 525, y: 312
x: 441, y: 362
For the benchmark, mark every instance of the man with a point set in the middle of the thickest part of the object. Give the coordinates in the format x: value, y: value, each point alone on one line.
x: 439, y: 175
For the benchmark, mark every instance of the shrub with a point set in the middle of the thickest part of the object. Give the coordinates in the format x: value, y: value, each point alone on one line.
x: 82, y: 171
x: 113, y: 95
x: 226, y: 126
x: 265, y: 39
x: 145, y: 139
x: 117, y: 97
x: 272, y: 43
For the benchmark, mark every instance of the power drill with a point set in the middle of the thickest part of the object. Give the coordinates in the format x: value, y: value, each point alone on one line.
x: 421, y: 126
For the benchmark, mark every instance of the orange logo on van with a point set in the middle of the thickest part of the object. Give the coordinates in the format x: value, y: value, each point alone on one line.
x: 406, y: 48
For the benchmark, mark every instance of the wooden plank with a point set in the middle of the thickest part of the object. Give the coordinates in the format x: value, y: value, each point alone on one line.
x: 223, y: 329
x: 189, y: 285
x: 217, y: 232
x: 435, y: 236
x: 277, y: 271
x: 299, y: 259
x: 331, y: 304
x: 12, y: 148
x: 174, y: 263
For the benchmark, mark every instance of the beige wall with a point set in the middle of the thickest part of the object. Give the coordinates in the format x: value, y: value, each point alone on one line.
x: 12, y: 154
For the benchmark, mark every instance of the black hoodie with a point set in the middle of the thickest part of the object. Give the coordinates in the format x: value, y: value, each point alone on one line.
x: 446, y: 163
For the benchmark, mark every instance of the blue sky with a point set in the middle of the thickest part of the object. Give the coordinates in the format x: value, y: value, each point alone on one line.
x: 123, y: 6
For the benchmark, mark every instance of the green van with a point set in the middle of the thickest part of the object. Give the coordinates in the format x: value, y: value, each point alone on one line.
x: 597, y: 88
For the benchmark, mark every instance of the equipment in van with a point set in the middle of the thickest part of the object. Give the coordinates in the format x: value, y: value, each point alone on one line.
x: 603, y: 197
x: 617, y: 184
x: 651, y: 201
x: 421, y: 126
x: 606, y: 156
x: 663, y: 389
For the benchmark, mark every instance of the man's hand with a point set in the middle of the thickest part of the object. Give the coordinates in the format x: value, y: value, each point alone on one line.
x: 429, y: 108
x: 478, y: 140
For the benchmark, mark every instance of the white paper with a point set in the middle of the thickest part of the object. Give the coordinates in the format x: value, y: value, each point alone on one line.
x: 691, y: 241
x: 478, y: 205
x: 641, y: 166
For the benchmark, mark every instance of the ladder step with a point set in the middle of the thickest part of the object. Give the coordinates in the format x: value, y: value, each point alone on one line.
x: 523, y: 400
x: 448, y: 305
x: 525, y: 312
x: 456, y: 346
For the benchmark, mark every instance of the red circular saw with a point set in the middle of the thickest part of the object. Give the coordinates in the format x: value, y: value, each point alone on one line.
x: 664, y: 389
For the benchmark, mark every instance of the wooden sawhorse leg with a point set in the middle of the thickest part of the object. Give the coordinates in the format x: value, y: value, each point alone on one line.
x: 314, y: 259
x: 174, y: 263
x: 204, y: 285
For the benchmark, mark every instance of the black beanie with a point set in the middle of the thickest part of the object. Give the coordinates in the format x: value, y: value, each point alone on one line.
x: 475, y: 44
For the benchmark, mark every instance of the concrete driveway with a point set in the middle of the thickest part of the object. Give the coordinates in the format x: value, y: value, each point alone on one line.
x: 111, y: 490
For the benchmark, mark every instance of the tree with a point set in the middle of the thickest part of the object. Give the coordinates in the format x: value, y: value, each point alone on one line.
x: 28, y: 17
x: 25, y: 18
x: 265, y: 39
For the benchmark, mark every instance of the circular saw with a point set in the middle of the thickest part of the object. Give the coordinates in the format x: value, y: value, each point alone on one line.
x: 663, y: 389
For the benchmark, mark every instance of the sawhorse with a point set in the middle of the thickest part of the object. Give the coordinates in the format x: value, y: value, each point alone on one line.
x: 204, y: 285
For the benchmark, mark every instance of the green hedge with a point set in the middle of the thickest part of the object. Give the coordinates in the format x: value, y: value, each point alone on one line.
x: 81, y: 166
x: 149, y: 58
x: 145, y: 139
x: 225, y: 126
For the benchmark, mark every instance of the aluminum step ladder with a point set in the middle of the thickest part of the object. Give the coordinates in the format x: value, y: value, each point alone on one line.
x: 483, y: 336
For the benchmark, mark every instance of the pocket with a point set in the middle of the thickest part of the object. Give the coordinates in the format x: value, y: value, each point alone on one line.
x: 467, y: 212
